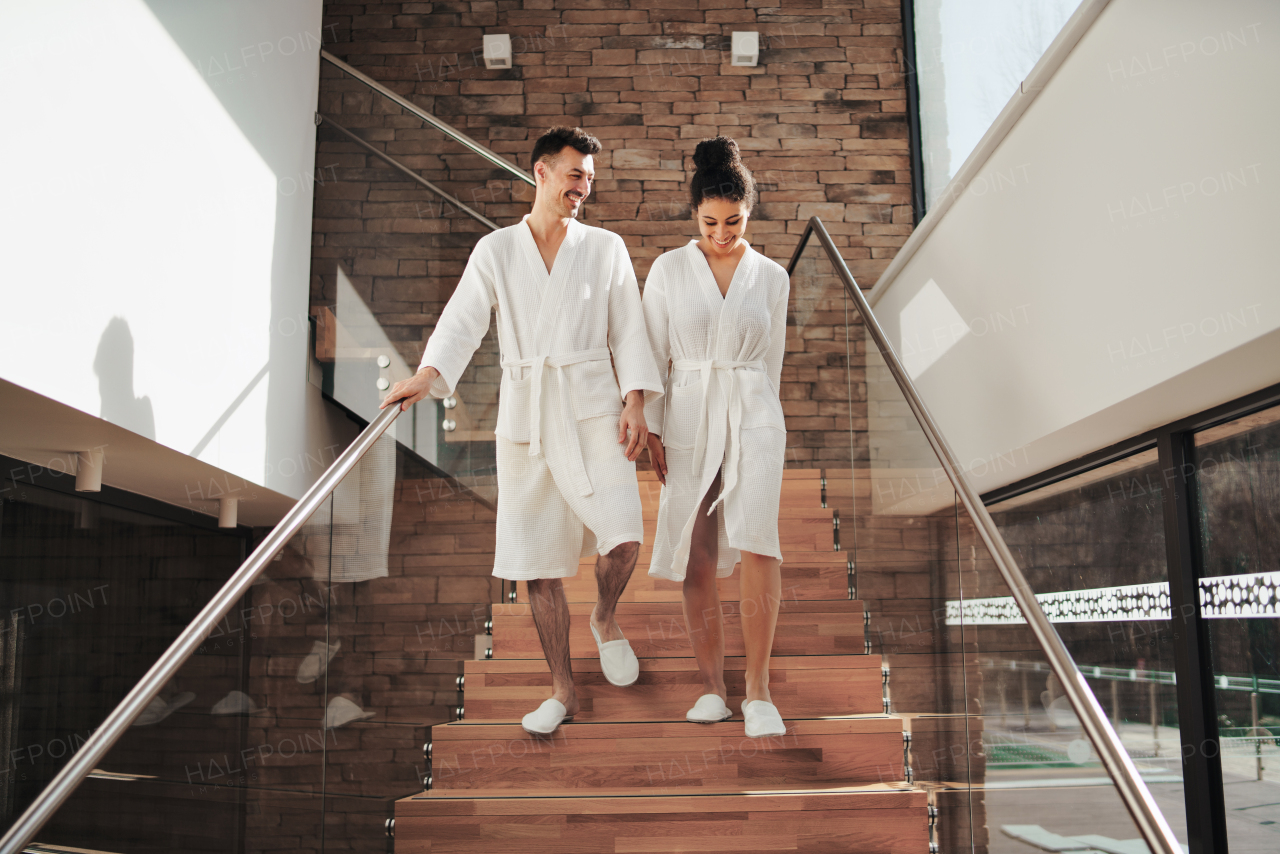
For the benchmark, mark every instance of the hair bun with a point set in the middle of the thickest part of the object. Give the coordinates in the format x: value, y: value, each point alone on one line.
x: 713, y: 155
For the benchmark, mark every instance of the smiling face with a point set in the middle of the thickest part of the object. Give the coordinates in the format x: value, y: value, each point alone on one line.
x: 564, y: 181
x: 722, y: 224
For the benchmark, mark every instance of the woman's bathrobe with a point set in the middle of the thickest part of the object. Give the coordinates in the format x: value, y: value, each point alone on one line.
x: 721, y: 361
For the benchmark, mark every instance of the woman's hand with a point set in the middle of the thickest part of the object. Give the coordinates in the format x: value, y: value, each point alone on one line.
x: 632, y: 431
x: 412, y: 390
x: 658, y: 456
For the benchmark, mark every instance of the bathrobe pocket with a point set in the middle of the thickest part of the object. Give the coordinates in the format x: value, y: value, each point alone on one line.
x: 680, y: 428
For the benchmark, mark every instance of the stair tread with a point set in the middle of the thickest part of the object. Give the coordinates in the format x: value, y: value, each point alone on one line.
x: 679, y: 730
x: 896, y: 794
x: 662, y: 753
x: 732, y: 662
x: 579, y: 609
x: 788, y: 475
x: 804, y: 686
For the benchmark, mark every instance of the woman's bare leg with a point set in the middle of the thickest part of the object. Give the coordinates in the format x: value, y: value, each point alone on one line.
x: 702, y: 613
x: 761, y: 592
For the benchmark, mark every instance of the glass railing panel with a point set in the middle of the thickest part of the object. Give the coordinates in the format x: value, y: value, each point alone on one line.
x: 410, y: 586
x: 897, y: 530
x: 301, y: 719
x: 907, y: 536
x: 993, y: 738
x: 1092, y: 548
x: 92, y: 595
x: 388, y: 252
x: 1238, y: 479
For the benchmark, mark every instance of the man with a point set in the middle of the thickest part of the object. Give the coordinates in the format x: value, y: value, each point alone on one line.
x: 567, y: 300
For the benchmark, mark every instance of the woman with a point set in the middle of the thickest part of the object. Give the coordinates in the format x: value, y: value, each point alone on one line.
x: 716, y: 311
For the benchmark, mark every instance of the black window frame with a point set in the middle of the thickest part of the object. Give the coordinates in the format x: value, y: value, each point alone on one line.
x: 1197, y: 708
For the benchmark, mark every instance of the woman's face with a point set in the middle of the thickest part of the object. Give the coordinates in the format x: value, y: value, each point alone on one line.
x: 722, y: 223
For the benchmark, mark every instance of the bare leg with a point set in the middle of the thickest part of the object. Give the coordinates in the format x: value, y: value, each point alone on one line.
x: 761, y: 597
x: 702, y: 614
x: 551, y: 616
x: 613, y: 571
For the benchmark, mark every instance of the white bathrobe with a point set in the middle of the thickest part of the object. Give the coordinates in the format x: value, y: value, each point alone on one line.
x: 559, y: 401
x: 722, y: 406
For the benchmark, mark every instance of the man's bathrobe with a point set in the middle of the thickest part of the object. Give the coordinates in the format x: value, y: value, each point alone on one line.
x: 721, y: 408
x: 565, y: 486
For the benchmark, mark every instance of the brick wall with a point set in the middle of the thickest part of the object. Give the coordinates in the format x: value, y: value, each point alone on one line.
x: 820, y: 121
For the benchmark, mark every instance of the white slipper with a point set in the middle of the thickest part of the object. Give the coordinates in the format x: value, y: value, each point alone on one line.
x: 544, y: 719
x: 762, y: 719
x: 709, y: 709
x: 157, y: 710
x: 617, y: 660
x: 316, y: 662
x: 342, y: 711
x: 235, y: 703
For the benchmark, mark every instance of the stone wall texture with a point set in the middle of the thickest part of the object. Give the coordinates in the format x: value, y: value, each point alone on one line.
x: 820, y: 120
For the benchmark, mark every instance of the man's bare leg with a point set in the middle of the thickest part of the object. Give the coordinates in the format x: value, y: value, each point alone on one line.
x: 613, y: 571
x: 551, y: 616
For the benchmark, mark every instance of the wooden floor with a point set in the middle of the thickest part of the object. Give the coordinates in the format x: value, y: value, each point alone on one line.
x: 630, y: 774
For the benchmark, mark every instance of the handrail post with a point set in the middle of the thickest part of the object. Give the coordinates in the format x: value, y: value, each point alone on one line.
x: 1124, y: 774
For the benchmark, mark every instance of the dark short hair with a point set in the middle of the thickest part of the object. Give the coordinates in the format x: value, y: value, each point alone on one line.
x: 551, y: 143
x: 720, y: 174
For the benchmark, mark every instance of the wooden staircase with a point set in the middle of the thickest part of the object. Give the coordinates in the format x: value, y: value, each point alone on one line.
x: 630, y: 774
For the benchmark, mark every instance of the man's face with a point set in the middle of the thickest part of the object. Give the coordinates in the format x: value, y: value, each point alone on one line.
x: 565, y: 181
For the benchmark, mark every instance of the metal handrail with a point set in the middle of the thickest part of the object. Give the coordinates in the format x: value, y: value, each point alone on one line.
x: 396, y: 164
x: 1133, y: 790
x: 106, y: 735
x: 444, y: 127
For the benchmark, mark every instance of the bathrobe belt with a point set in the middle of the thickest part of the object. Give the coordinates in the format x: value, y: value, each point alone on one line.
x: 726, y: 373
x: 539, y: 364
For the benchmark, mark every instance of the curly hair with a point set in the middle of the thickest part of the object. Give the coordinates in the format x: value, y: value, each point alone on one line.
x: 720, y: 174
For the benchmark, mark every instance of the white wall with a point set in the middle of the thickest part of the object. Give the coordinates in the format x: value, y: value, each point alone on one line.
x: 157, y: 220
x: 1112, y: 266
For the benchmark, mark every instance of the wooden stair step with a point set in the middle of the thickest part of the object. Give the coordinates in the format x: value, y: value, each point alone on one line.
x: 469, y: 755
x: 872, y: 819
x: 828, y: 579
x: 795, y: 509
x: 657, y: 629
x: 801, y: 686
x: 796, y: 475
x: 802, y: 532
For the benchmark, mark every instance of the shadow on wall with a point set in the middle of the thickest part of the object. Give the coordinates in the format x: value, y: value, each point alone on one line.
x: 261, y: 60
x: 113, y: 364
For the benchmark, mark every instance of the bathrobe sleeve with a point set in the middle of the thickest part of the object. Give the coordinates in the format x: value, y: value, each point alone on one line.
x: 464, y: 321
x: 628, y: 340
x: 777, y: 337
x: 656, y: 321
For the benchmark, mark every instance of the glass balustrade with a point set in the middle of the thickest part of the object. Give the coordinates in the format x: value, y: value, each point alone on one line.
x: 300, y: 720
x: 992, y: 736
x: 388, y: 250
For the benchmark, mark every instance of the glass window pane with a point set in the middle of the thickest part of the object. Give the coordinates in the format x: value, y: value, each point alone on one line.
x: 1238, y: 481
x: 1092, y: 547
x: 971, y: 56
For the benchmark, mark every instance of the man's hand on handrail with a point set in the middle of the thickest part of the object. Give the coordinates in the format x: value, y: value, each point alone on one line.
x: 412, y: 390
